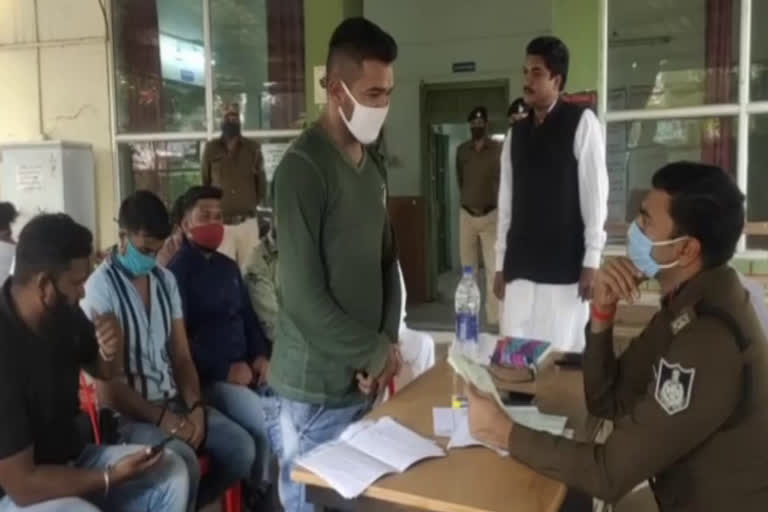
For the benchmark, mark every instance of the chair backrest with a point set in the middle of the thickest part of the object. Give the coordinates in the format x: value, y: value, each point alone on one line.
x: 89, y: 405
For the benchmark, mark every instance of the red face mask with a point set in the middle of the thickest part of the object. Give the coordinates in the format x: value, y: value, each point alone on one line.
x: 208, y: 236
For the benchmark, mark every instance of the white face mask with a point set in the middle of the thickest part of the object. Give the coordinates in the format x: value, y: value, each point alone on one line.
x: 366, y: 122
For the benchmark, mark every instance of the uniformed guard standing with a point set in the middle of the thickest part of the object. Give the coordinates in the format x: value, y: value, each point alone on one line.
x: 235, y: 164
x: 689, y: 397
x: 477, y: 172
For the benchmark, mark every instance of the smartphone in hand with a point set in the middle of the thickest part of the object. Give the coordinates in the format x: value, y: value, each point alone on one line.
x: 159, y: 446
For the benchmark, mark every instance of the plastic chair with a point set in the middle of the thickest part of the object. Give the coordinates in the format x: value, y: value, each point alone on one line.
x: 232, y: 499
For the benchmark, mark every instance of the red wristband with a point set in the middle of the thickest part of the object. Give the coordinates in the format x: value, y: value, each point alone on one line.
x: 603, y: 316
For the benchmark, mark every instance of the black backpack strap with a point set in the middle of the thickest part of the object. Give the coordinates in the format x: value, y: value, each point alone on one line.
x: 743, y: 343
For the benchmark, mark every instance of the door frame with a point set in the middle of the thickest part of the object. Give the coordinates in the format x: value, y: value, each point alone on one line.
x: 428, y: 181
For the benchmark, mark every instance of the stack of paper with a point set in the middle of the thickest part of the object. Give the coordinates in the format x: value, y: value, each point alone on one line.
x: 365, y: 452
x: 454, y: 423
x: 473, y: 373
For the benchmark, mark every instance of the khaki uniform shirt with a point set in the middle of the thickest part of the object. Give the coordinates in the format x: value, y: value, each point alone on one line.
x: 239, y: 174
x: 478, y: 173
x: 262, y: 280
x: 689, y: 403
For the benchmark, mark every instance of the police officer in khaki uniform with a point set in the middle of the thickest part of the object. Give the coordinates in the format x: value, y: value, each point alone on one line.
x: 689, y: 397
x: 477, y: 171
x: 235, y: 164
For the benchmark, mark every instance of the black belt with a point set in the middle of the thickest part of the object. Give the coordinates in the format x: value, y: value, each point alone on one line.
x: 481, y: 212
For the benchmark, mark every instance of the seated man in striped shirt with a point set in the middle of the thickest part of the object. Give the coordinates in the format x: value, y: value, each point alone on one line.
x: 159, y: 394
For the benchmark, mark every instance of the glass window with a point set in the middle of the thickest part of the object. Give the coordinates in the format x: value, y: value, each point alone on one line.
x: 672, y: 54
x: 159, y: 65
x: 258, y: 61
x: 167, y: 168
x: 757, y: 183
x: 759, y: 71
x: 637, y: 149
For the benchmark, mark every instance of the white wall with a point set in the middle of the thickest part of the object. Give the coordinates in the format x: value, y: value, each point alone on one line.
x: 492, y: 33
x: 64, y: 94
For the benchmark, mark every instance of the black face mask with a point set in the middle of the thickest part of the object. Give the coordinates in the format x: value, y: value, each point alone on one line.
x: 477, y: 132
x: 230, y: 129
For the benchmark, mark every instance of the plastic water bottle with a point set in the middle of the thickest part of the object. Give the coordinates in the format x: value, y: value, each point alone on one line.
x: 466, y: 339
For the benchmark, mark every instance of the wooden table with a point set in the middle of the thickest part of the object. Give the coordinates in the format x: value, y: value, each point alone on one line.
x: 469, y: 479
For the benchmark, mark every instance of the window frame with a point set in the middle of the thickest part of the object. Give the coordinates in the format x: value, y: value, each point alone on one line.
x: 210, y: 133
x: 742, y: 110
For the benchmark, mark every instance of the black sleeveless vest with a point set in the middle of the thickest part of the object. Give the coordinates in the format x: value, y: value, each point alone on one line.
x: 545, y: 241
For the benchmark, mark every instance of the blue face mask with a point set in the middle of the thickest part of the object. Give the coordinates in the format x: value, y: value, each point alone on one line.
x: 136, y: 262
x: 640, y: 251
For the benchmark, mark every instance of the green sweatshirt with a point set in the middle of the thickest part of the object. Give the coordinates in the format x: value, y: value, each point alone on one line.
x: 339, y: 289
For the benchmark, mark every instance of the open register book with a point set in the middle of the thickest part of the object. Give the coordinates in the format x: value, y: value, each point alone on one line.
x: 366, y: 451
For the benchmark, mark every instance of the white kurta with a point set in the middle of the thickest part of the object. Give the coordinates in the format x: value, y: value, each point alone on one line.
x: 546, y: 312
x: 417, y: 348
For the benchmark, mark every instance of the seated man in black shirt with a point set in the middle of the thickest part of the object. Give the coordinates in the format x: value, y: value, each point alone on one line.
x: 45, y: 465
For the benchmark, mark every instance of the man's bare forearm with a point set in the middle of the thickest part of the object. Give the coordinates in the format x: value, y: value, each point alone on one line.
x: 188, y: 381
x: 27, y: 484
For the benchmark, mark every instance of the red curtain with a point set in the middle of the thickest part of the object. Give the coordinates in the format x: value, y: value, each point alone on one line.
x: 717, y: 139
x: 285, y: 29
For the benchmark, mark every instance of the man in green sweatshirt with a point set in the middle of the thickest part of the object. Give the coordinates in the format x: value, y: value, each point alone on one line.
x: 335, y: 342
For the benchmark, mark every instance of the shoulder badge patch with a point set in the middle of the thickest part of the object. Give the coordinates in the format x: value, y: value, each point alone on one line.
x: 674, y: 385
x: 681, y: 322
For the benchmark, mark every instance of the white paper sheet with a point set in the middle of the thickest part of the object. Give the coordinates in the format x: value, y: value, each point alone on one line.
x: 474, y: 373
x: 442, y: 421
x: 392, y: 443
x: 348, y: 470
x: 528, y: 416
x: 365, y: 452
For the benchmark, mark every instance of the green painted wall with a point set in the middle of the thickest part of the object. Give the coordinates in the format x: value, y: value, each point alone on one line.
x: 577, y: 23
x: 321, y: 17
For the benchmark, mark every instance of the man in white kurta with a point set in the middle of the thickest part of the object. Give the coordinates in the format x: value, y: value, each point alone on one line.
x: 416, y: 347
x: 544, y: 268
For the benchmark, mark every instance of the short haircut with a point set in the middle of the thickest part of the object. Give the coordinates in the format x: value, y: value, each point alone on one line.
x: 144, y: 212
x: 48, y: 244
x: 8, y: 215
x: 516, y: 107
x: 554, y: 53
x: 356, y: 40
x: 705, y: 204
x: 197, y: 193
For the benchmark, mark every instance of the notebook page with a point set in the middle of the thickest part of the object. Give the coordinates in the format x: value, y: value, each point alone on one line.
x: 393, y: 444
x: 348, y: 470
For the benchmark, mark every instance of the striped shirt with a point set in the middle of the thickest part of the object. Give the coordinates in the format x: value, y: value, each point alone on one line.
x: 146, y: 332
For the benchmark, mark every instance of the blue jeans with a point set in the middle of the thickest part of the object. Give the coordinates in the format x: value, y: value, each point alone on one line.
x: 245, y: 407
x: 299, y: 428
x: 163, y: 488
x: 229, y: 448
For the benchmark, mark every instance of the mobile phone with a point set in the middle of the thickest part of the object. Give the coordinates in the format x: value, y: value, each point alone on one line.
x: 159, y: 446
x: 570, y: 360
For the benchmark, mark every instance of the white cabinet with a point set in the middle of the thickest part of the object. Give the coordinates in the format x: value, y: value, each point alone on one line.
x: 49, y: 176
